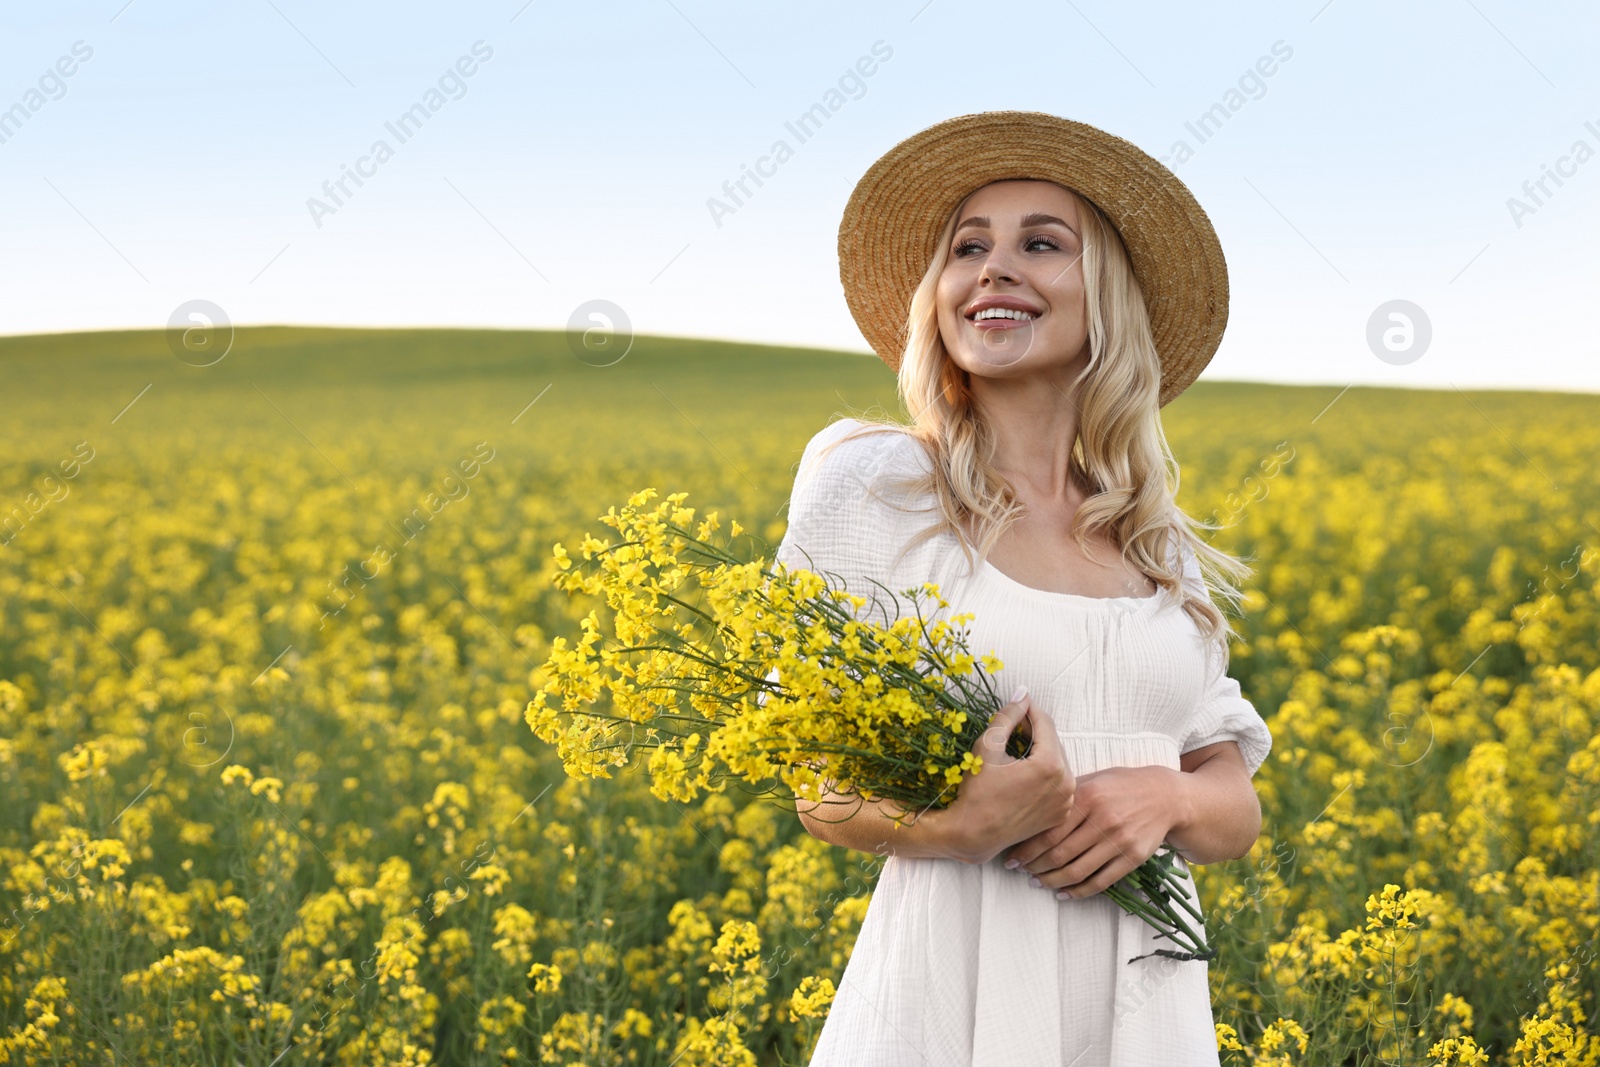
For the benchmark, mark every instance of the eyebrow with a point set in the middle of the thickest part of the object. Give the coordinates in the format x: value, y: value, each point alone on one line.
x: 1035, y: 218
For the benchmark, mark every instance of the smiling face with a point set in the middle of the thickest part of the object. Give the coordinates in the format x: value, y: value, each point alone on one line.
x: 1011, y: 295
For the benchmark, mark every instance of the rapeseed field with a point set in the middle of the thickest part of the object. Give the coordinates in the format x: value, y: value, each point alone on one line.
x: 267, y: 795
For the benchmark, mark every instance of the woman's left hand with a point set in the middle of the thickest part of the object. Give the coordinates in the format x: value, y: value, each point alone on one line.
x: 1120, y: 816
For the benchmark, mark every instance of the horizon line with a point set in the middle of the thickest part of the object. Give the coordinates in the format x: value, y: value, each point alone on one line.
x: 414, y: 328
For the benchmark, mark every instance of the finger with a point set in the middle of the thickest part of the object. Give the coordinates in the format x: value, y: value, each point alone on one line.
x: 1096, y: 830
x: 1079, y: 837
x: 1098, y: 824
x: 1025, y: 852
x: 1042, y: 728
x: 1113, y: 871
x: 1054, y: 846
x: 1047, y: 749
x: 1068, y: 848
x: 1085, y: 867
x: 992, y: 742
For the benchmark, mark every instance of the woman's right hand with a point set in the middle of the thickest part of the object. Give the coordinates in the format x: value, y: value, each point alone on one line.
x: 1009, y: 799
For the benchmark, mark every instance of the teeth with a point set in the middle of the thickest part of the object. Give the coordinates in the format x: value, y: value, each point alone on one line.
x: 1002, y: 313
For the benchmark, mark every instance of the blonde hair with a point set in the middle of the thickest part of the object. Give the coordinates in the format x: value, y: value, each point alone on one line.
x: 1121, y: 455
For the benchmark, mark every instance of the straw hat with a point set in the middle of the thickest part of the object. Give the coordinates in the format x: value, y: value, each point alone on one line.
x: 899, y: 206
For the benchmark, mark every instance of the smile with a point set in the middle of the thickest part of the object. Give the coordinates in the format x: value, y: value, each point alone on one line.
x: 1001, y: 318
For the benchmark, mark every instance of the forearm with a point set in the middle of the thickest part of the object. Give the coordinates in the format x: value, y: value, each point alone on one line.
x: 1218, y: 812
x: 868, y: 826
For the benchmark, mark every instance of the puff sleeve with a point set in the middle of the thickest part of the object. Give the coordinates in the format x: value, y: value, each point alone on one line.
x: 837, y: 527
x: 1223, y: 713
x: 834, y: 528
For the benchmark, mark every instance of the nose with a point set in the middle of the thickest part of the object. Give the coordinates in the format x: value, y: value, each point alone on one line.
x: 997, y: 267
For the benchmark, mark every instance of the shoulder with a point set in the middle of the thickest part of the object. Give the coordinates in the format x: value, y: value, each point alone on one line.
x: 852, y: 451
x: 849, y: 515
x: 1198, y: 593
x: 1189, y: 565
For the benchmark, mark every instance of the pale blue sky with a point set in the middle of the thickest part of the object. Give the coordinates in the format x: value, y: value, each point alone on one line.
x: 1374, y: 164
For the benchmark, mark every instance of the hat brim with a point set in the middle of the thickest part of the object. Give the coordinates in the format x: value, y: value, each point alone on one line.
x: 898, y: 208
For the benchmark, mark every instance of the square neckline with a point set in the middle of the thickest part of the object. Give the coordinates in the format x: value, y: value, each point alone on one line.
x: 998, y: 575
x: 986, y: 567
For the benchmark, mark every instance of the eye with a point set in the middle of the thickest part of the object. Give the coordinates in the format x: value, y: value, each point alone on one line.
x: 960, y: 250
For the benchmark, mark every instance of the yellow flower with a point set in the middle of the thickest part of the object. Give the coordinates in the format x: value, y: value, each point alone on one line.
x: 235, y: 773
x: 546, y: 978
x: 812, y: 997
x: 270, y: 786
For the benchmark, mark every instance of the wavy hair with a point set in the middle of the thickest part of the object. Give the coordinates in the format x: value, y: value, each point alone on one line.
x: 1120, y: 458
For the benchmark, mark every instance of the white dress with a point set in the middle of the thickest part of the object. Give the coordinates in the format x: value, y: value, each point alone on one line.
x: 970, y: 964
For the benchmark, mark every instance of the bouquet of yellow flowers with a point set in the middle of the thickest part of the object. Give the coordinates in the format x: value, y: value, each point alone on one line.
x: 731, y: 671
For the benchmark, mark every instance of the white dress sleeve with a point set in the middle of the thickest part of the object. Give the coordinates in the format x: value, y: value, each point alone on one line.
x: 837, y: 527
x: 1223, y: 714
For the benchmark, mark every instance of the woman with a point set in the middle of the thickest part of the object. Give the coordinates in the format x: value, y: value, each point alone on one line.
x: 1056, y: 286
